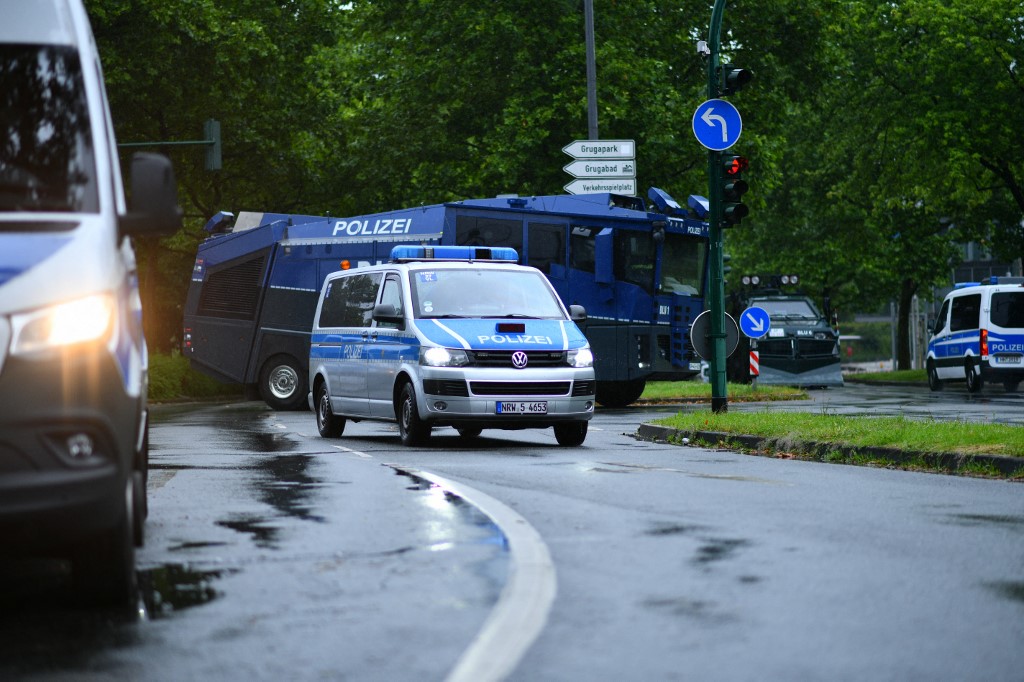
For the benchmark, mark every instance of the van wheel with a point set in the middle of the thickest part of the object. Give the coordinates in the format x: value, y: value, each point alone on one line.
x: 283, y: 383
x: 1011, y: 386
x: 571, y: 434
x: 934, y: 382
x: 103, y: 568
x: 413, y: 430
x: 327, y: 423
x: 974, y: 380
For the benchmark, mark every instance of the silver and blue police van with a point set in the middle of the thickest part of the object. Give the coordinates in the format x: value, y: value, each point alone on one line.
x: 73, y: 363
x: 457, y: 336
x: 978, y: 336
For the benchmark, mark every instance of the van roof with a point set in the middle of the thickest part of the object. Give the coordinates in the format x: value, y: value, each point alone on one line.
x: 39, y: 22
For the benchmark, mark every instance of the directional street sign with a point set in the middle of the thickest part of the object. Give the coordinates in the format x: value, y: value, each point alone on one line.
x: 601, y: 168
x: 622, y: 186
x: 717, y: 124
x: 755, y: 322
x: 700, y: 329
x: 601, y: 149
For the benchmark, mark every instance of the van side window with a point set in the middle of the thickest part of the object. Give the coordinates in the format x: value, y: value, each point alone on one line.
x: 940, y: 321
x: 391, y: 293
x: 349, y: 301
x: 965, y: 313
x: 1008, y: 309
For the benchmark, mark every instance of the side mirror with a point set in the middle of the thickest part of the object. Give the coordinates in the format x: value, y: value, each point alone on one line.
x: 153, y: 207
x: 386, y: 312
x: 578, y: 313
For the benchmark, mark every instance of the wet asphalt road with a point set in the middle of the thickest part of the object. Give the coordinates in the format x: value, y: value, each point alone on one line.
x: 273, y: 554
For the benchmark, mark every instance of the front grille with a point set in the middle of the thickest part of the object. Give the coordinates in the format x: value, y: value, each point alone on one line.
x: 583, y: 388
x: 448, y: 387
x: 779, y: 347
x: 519, y: 387
x: 812, y: 347
x: 503, y: 358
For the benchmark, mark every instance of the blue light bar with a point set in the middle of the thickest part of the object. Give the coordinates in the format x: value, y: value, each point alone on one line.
x: 411, y: 253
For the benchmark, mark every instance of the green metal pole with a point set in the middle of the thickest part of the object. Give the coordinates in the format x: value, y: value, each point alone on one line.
x: 716, y: 291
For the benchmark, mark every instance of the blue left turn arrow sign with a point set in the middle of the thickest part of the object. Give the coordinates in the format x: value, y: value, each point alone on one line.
x: 717, y: 124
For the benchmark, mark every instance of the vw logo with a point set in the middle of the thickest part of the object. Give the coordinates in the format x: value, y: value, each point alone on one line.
x: 519, y: 359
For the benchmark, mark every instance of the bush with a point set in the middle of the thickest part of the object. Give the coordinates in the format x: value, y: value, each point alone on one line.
x: 875, y: 342
x: 171, y: 378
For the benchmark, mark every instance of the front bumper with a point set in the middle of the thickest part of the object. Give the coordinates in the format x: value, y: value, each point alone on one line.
x: 469, y: 396
x: 68, y: 430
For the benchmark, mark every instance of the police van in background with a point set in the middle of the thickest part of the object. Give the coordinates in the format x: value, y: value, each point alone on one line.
x: 457, y: 336
x: 73, y: 364
x: 978, y: 336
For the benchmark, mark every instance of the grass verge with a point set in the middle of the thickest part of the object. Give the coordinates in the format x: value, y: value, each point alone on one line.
x: 964, y: 447
x: 695, y: 391
x: 172, y: 378
x: 903, y: 376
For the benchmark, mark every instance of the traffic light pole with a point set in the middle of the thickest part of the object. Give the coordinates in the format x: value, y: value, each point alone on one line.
x: 716, y: 283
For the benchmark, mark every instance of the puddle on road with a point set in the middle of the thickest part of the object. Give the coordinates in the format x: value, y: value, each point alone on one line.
x: 174, y: 587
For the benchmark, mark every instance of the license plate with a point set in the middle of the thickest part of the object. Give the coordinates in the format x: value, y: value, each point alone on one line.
x: 521, y: 408
x: 1008, y: 359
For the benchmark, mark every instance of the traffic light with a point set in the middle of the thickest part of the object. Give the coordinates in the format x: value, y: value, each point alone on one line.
x: 733, y: 189
x: 731, y: 78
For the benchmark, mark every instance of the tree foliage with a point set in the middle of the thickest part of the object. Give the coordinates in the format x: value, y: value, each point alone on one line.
x: 878, y: 132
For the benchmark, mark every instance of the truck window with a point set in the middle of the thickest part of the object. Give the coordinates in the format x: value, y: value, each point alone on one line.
x: 582, y: 249
x: 1008, y: 309
x: 682, y: 264
x: 349, y: 301
x: 547, y: 246
x: 475, y: 231
x: 48, y: 161
x: 965, y: 312
x: 634, y: 258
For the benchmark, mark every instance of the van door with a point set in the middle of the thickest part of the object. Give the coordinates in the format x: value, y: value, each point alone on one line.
x: 352, y: 307
x: 389, y: 344
x: 964, y: 334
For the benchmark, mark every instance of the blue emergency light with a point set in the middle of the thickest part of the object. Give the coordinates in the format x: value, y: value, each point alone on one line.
x: 414, y: 253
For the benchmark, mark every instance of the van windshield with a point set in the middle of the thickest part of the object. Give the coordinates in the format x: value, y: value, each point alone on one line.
x: 478, y: 292
x: 46, y: 150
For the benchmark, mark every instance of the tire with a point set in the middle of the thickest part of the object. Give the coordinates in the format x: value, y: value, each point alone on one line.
x: 328, y: 424
x: 1011, y: 386
x: 283, y: 383
x: 974, y: 381
x: 934, y: 382
x: 103, y: 568
x: 139, y: 513
x: 620, y: 393
x: 571, y: 434
x: 412, y: 429
x: 469, y: 432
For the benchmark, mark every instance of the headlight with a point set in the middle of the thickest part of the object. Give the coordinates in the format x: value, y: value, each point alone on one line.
x: 581, y: 357
x: 443, y: 357
x: 86, y: 319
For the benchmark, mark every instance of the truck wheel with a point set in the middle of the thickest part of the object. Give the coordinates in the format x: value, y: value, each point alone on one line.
x: 469, y: 432
x: 1011, y: 386
x: 619, y: 393
x: 103, y: 568
x: 327, y: 423
x: 571, y: 434
x: 974, y: 380
x: 934, y: 382
x: 283, y: 383
x: 413, y: 430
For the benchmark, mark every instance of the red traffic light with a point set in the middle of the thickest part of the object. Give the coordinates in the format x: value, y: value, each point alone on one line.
x: 734, y: 165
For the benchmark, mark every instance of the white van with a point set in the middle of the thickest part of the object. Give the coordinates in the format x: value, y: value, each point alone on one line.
x: 978, y: 336
x: 73, y: 381
x: 457, y: 336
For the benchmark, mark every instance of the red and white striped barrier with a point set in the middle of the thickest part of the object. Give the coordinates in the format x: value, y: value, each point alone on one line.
x: 755, y: 369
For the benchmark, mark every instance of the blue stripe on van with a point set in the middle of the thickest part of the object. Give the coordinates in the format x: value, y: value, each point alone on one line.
x: 20, y: 252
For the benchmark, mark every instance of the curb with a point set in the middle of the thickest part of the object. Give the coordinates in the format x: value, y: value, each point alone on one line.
x: 831, y: 452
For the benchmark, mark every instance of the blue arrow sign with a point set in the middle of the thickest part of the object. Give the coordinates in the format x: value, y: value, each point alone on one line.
x: 755, y: 322
x: 717, y: 124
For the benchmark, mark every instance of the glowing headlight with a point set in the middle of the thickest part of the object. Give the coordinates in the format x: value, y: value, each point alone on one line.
x: 581, y: 357
x: 443, y: 357
x: 86, y: 319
